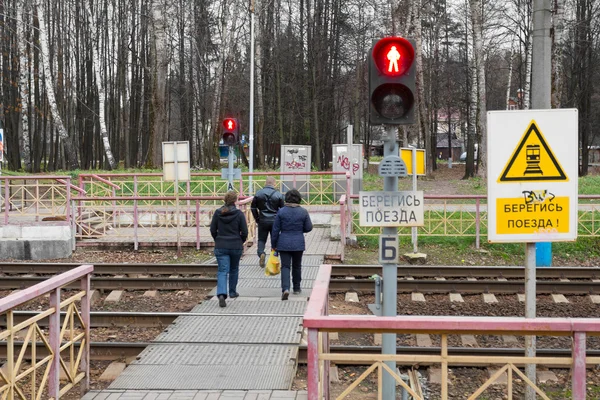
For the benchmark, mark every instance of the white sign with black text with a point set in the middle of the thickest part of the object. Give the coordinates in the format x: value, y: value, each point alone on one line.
x: 391, y: 208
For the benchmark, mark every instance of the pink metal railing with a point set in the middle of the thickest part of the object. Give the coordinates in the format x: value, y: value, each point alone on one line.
x: 37, y: 198
x: 52, y: 286
x: 318, y: 322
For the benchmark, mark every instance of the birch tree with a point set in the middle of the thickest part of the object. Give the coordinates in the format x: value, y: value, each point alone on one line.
x: 476, y: 11
x: 160, y: 64
x: 100, y: 87
x: 70, y: 152
x: 24, y: 73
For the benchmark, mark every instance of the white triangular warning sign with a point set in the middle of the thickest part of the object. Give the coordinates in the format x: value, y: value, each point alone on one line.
x: 532, y: 160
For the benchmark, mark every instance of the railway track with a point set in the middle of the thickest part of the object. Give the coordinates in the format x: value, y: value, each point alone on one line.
x: 563, y: 280
x: 335, y: 286
x: 112, y: 351
x: 423, y: 271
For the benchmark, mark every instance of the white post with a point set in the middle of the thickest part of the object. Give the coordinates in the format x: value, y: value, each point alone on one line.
x: 251, y: 117
x: 175, y: 151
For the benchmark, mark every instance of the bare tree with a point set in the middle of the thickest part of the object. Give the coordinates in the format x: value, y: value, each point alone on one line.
x: 70, y: 152
x: 476, y: 8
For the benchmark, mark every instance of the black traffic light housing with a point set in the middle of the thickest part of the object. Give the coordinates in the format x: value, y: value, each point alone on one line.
x: 392, y: 89
x: 231, y: 131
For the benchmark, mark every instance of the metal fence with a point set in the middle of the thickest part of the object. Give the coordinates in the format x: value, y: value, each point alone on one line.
x: 320, y: 323
x: 66, y: 345
x: 466, y: 216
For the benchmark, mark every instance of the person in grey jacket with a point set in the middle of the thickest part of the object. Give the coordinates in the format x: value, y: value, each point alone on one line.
x: 229, y: 230
x: 265, y: 204
x: 287, y: 237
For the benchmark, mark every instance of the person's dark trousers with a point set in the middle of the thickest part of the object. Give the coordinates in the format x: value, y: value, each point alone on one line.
x: 228, y: 272
x: 264, y: 229
x: 291, y: 259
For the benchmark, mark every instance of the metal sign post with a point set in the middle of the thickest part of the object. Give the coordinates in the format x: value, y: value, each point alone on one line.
x: 1, y: 149
x: 176, y: 168
x: 390, y: 209
x: 230, y: 169
x: 390, y: 274
x: 532, y: 188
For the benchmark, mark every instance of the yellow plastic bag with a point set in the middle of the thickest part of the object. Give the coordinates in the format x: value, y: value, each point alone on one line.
x: 273, y: 266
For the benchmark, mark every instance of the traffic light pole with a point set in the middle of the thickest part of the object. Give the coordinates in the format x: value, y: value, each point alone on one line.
x: 390, y: 274
x: 230, y: 169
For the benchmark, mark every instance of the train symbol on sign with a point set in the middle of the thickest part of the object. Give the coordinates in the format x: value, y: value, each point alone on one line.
x: 533, y: 160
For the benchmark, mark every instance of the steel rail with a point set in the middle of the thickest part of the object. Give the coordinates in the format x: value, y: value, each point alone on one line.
x: 107, y: 319
x: 335, y: 286
x: 111, y: 351
x: 337, y: 270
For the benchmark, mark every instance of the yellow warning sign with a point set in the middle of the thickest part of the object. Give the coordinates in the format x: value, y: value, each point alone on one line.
x: 532, y: 160
x: 522, y: 216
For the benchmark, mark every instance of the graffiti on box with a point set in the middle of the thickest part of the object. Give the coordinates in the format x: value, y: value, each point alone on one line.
x: 345, y: 163
x: 298, y: 160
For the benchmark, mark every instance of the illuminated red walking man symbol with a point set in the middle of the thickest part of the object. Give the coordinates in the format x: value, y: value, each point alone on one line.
x: 393, y: 55
x: 230, y: 124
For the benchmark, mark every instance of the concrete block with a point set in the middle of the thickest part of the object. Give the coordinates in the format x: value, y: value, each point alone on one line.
x: 456, y: 298
x: 559, y: 298
x: 489, y: 298
x: 502, y: 280
x: 521, y: 297
x: 352, y: 297
x: 334, y: 336
x: 595, y: 298
x: 114, y: 296
x: 112, y: 371
x: 321, y: 219
x: 36, y: 249
x: 435, y: 376
x: 377, y: 339
x: 336, y: 227
x: 52, y: 232
x: 471, y: 279
x: 468, y: 340
x: 417, y: 297
x: 94, y: 296
x: 439, y: 278
x: 510, y: 339
x: 502, y: 379
x: 11, y: 232
x: 333, y: 374
x: 415, y: 258
x: 351, y: 240
x: 424, y: 340
x: 546, y: 377
x: 151, y: 293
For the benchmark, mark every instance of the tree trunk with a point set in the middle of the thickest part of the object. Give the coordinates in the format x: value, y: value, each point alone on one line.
x: 70, y: 153
x: 260, y: 103
x: 101, y: 90
x: 477, y: 18
x: 159, y: 67
x: 557, y: 53
x: 24, y: 74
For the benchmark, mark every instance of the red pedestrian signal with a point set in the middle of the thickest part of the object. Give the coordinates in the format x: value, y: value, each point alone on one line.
x: 230, y: 131
x: 392, y: 81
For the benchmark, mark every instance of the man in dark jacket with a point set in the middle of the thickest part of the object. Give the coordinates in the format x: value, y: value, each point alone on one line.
x: 265, y: 204
x: 229, y: 230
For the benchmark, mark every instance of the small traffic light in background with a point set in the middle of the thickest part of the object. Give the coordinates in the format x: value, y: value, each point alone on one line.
x: 231, y: 135
x: 392, y: 82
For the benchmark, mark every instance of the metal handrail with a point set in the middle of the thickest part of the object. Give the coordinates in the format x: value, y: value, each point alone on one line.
x: 319, y: 323
x: 50, y: 366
